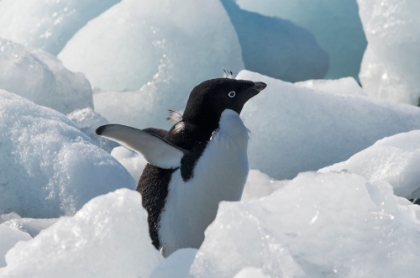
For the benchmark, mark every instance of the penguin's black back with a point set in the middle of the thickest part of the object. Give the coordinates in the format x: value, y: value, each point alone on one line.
x: 153, y: 187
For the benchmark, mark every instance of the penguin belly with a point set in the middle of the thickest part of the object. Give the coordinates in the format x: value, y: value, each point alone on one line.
x: 219, y: 175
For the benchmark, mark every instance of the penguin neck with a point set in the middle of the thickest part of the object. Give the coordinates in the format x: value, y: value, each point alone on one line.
x: 187, y: 134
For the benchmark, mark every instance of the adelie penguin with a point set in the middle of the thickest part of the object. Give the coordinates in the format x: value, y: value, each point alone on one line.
x: 201, y: 161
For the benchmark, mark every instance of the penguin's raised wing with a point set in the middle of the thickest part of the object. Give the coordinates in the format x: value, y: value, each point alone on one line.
x: 155, y: 149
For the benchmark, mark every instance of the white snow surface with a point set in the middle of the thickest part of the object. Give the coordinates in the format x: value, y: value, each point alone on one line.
x: 277, y: 47
x: 336, y: 26
x: 41, y: 78
x: 296, y: 129
x: 48, y: 167
x: 108, y: 237
x: 395, y: 159
x: 47, y: 24
x: 318, y: 225
x: 87, y: 121
x: 391, y: 64
x: 123, y: 48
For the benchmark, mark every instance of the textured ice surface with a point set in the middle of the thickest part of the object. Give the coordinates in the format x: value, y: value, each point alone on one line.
x: 295, y: 129
x: 30, y: 226
x: 47, y: 166
x: 176, y: 265
x: 391, y: 64
x: 342, y: 86
x: 123, y: 48
x: 259, y: 185
x: 277, y: 47
x: 250, y: 272
x: 88, y: 121
x: 395, y: 159
x: 40, y: 77
x: 8, y: 216
x: 108, y: 237
x: 47, y: 24
x: 132, y: 161
x: 335, y: 24
x: 318, y: 225
x: 8, y: 238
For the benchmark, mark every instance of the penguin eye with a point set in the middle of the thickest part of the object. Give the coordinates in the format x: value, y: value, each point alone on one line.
x: 232, y: 94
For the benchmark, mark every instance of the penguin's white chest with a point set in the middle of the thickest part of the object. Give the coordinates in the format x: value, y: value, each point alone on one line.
x: 219, y: 175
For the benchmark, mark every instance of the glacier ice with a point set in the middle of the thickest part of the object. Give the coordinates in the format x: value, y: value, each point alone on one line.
x: 342, y: 86
x: 277, y: 47
x: 250, y: 272
x: 176, y: 265
x: 87, y: 121
x: 123, y: 48
x: 394, y: 159
x: 31, y: 226
x: 8, y: 238
x: 259, y: 185
x: 47, y: 24
x: 391, y: 64
x: 335, y: 24
x: 296, y: 129
x: 48, y: 167
x: 318, y: 225
x: 40, y: 77
x: 132, y: 161
x: 108, y: 237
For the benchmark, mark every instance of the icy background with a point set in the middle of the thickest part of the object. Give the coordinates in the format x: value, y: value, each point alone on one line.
x: 333, y: 161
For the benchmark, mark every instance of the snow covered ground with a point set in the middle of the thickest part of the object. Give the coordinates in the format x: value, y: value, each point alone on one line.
x: 331, y: 165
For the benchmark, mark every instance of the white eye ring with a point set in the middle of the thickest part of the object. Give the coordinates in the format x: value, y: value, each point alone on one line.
x: 232, y: 94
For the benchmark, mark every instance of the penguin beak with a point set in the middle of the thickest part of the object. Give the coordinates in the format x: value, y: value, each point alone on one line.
x: 259, y: 86
x: 254, y: 90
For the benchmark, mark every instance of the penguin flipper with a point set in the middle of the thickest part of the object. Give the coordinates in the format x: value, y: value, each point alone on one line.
x: 156, y: 131
x: 155, y: 149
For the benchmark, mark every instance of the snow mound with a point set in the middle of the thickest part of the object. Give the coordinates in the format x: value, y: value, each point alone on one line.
x: 277, y: 47
x: 8, y: 238
x: 47, y: 24
x: 335, y: 24
x: 108, y: 237
x: 123, y: 48
x: 391, y: 64
x: 395, y: 159
x: 319, y: 225
x: 87, y: 121
x: 132, y: 161
x: 41, y: 78
x: 296, y: 129
x: 48, y: 167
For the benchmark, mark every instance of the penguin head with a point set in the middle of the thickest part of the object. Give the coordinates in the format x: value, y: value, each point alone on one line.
x: 209, y: 99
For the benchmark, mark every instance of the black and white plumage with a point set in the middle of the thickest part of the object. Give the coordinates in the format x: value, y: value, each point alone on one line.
x: 199, y: 162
